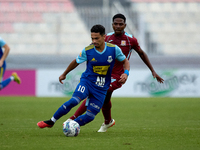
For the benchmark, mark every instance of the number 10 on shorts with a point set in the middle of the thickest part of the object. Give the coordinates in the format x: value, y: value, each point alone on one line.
x: 81, y: 88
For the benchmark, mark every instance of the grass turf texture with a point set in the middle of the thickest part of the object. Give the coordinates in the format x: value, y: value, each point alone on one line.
x: 141, y: 123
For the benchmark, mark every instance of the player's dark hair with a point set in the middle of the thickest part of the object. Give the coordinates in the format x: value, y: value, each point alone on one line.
x: 119, y: 16
x: 98, y: 29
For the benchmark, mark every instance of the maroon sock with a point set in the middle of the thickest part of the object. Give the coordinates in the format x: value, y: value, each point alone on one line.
x: 106, y: 110
x: 79, y: 111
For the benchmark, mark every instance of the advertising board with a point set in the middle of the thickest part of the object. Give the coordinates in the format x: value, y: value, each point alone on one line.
x: 140, y: 83
x: 27, y: 86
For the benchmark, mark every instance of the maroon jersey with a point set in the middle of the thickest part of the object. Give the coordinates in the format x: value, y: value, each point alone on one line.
x: 127, y: 43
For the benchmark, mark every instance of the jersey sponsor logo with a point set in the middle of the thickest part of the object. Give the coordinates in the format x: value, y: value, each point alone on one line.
x: 101, y: 70
x: 123, y: 43
x: 110, y: 59
x: 100, y: 81
x: 94, y: 60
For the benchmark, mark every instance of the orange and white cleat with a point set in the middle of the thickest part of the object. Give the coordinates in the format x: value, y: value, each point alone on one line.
x: 104, y: 127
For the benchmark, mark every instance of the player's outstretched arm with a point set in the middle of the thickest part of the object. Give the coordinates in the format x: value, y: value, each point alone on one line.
x: 71, y: 66
x: 146, y: 60
x: 5, y: 54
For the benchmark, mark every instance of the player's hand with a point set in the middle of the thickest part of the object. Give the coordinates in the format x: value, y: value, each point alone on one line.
x: 158, y: 78
x: 123, y: 78
x: 62, y: 77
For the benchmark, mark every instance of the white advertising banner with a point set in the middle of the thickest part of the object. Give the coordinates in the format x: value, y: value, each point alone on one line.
x: 48, y: 84
x: 140, y: 83
x: 178, y: 83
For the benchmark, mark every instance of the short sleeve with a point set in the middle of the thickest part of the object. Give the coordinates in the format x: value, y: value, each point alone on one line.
x: 2, y: 42
x: 81, y: 57
x: 135, y: 44
x: 119, y: 55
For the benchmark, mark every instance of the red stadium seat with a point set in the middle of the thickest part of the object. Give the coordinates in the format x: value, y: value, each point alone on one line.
x: 6, y: 28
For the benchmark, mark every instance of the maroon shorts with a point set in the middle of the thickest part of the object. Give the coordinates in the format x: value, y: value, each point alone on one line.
x: 115, y: 84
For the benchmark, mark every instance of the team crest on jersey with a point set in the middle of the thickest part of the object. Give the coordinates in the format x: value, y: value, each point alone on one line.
x: 110, y: 59
x: 123, y: 43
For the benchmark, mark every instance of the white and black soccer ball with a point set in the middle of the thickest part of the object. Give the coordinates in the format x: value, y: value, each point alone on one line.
x: 71, y: 128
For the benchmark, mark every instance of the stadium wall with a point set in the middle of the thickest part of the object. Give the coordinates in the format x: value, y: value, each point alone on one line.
x: 44, y: 83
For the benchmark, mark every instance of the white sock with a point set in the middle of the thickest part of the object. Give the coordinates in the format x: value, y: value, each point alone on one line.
x: 53, y: 119
x: 12, y: 78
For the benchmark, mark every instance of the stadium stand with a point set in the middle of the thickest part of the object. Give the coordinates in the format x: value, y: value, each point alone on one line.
x: 168, y: 24
x: 42, y: 27
x: 59, y: 29
x: 56, y: 30
x: 173, y: 25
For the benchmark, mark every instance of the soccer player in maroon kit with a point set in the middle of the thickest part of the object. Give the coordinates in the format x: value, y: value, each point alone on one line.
x: 127, y: 43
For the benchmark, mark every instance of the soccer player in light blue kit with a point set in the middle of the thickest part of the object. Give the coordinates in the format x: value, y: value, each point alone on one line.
x: 95, y: 81
x: 3, y: 56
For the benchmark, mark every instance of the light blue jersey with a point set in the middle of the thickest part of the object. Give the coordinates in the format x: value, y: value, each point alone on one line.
x: 3, y: 83
x: 2, y: 43
x: 3, y: 67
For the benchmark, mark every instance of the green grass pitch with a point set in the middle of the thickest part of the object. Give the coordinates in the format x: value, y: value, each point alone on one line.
x: 141, y: 124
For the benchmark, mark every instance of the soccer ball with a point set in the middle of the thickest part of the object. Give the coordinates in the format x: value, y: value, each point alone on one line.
x: 71, y: 128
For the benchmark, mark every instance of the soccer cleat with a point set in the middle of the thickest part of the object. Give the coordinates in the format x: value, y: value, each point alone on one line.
x: 16, y: 78
x: 104, y: 126
x: 44, y: 124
